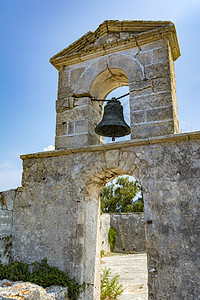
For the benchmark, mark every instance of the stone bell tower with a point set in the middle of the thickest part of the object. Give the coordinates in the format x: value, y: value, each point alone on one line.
x: 56, y: 211
x: 138, y: 54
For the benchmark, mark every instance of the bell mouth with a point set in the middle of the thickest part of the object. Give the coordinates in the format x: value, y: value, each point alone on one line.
x: 113, y: 130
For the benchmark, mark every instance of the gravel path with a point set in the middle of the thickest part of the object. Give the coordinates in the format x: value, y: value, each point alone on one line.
x: 132, y: 269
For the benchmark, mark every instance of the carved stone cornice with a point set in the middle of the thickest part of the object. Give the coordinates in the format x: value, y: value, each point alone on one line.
x: 114, y: 36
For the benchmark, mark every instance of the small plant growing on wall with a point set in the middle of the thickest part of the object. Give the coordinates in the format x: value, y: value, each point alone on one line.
x: 110, y: 288
x: 7, y: 244
x: 112, y: 234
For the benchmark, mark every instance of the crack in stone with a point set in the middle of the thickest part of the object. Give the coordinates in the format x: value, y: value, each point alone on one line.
x: 113, y: 76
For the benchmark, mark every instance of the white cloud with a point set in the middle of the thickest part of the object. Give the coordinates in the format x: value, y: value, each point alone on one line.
x: 49, y: 148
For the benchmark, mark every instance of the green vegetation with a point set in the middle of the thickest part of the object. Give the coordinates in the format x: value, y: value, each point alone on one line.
x: 110, y: 288
x: 112, y: 234
x: 7, y: 244
x: 41, y: 274
x: 102, y: 252
x: 44, y: 275
x: 121, y: 196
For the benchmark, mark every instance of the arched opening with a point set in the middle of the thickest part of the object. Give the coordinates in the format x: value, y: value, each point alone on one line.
x: 112, y: 82
x: 122, y: 235
x: 126, y: 110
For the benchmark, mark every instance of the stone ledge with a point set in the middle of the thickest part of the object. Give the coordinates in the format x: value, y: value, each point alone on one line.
x: 102, y: 147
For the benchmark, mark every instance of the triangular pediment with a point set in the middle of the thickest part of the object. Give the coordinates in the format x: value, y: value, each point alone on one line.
x: 112, y: 36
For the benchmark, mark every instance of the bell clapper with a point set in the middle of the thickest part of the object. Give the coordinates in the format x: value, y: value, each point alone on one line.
x: 113, y: 134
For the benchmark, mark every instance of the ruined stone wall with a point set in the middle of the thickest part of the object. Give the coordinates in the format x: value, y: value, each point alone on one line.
x: 130, y: 228
x: 104, y: 228
x: 57, y: 212
x: 6, y: 219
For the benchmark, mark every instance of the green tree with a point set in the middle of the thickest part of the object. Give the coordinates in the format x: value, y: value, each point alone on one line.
x: 121, y: 196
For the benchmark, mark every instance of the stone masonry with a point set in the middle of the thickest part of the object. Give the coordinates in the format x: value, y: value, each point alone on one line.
x: 138, y: 54
x: 130, y: 229
x: 6, y: 219
x: 56, y: 212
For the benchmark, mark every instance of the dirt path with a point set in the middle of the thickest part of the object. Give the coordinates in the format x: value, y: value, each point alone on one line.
x: 132, y: 269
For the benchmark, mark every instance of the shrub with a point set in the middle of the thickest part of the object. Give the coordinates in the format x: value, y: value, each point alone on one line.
x: 110, y: 289
x: 41, y: 274
x: 112, y: 237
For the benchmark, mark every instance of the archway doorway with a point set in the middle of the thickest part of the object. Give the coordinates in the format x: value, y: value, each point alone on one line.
x: 123, y: 244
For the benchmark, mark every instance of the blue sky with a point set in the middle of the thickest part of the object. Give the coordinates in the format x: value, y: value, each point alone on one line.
x: 32, y: 31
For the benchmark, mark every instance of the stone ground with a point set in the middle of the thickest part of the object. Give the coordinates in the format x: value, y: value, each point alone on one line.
x: 132, y: 269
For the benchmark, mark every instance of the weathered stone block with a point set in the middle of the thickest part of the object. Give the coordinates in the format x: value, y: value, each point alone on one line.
x: 157, y: 70
x: 76, y: 141
x: 63, y: 79
x: 161, y: 84
x: 152, y: 129
x: 140, y: 85
x: 145, y: 57
x: 160, y: 55
x: 104, y: 228
x: 137, y: 117
x: 81, y: 101
x: 75, y: 74
x: 130, y: 228
x: 159, y: 114
x: 65, y: 103
x: 64, y: 92
x: 81, y: 126
x: 154, y: 45
x: 112, y: 158
x: 5, y: 222
x: 150, y: 101
x: 140, y: 88
x: 71, y: 127
x: 6, y: 199
x: 78, y: 113
x: 61, y: 129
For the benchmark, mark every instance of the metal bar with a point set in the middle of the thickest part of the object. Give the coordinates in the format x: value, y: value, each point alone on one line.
x: 123, y: 96
x: 93, y: 99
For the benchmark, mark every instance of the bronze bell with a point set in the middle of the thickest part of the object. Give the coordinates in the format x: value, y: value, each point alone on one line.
x: 113, y: 123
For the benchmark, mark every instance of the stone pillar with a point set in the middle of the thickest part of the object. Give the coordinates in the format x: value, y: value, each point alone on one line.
x: 153, y: 103
x: 76, y: 116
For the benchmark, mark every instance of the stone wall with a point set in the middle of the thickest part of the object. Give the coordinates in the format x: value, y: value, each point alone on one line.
x: 130, y: 228
x: 104, y: 228
x: 6, y: 219
x: 57, y: 210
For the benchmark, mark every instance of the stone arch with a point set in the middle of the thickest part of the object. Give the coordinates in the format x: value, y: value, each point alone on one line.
x: 119, y: 68
x: 107, y: 81
x: 111, y: 164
